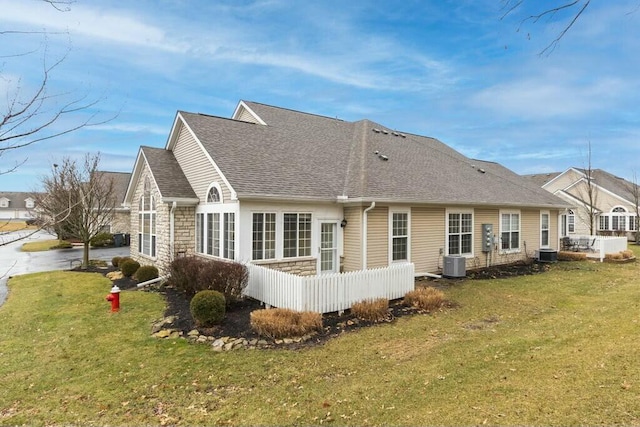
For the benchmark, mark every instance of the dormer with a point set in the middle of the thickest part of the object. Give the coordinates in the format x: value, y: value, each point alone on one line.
x: 4, y: 202
x: 246, y: 114
x: 29, y: 203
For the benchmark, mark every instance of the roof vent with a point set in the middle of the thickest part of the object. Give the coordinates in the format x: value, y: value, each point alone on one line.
x: 403, y: 135
x: 376, y: 130
x: 386, y: 132
x: 383, y: 157
x: 395, y: 134
x: 481, y: 170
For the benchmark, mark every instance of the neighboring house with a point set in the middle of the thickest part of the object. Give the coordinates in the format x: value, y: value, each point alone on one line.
x: 310, y: 194
x: 16, y: 205
x: 121, y: 217
x: 614, y: 209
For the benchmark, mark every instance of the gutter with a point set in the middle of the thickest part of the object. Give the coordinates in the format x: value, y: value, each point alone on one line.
x: 364, y: 235
x: 172, y: 230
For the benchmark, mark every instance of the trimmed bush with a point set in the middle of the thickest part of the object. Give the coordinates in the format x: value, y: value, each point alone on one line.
x: 146, y: 273
x: 284, y: 323
x: 627, y: 254
x: 129, y: 267
x: 207, y: 308
x: 115, y: 261
x: 62, y: 245
x: 101, y: 240
x: 372, y: 310
x: 193, y: 274
x: 425, y: 298
x: 571, y: 256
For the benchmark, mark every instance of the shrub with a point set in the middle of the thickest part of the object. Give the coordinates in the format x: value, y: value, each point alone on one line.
x: 129, y: 267
x: 102, y: 239
x: 285, y: 323
x: 123, y: 259
x: 146, y: 273
x: 616, y: 256
x: 62, y: 245
x: 115, y: 261
x: 425, y: 298
x: 626, y: 254
x: 192, y: 274
x: 571, y: 256
x: 207, y: 308
x: 372, y: 310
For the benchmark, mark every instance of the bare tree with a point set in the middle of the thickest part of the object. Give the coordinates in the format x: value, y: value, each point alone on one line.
x: 589, y: 194
x: 77, y: 201
x: 634, y: 190
x: 574, y: 8
x: 33, y: 110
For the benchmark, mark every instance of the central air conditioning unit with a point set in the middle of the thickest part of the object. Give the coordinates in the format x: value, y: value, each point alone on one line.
x: 546, y: 255
x: 454, y: 266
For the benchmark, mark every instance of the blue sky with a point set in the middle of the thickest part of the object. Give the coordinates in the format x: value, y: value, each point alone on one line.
x: 452, y: 70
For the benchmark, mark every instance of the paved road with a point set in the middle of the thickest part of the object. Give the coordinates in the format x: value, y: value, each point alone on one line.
x: 14, y: 262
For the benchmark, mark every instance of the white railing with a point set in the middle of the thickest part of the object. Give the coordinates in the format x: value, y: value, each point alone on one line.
x: 330, y: 292
x: 602, y: 245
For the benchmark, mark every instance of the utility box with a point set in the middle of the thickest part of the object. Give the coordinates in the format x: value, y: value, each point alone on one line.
x: 546, y: 255
x: 487, y: 237
x: 454, y: 266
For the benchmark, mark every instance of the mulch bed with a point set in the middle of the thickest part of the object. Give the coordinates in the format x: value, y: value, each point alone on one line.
x: 236, y: 323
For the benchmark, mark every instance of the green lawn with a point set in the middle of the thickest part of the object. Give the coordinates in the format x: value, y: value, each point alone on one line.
x: 560, y: 348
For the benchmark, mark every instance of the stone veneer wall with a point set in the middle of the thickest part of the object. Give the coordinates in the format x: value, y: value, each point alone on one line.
x: 305, y: 267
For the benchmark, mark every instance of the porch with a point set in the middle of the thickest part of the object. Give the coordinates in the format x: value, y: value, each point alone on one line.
x: 596, y: 247
x: 329, y: 292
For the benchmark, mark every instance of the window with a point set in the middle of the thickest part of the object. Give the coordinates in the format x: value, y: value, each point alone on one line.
x: 571, y: 221
x: 510, y: 231
x: 544, y: 229
x: 297, y: 235
x: 399, y: 236
x: 147, y: 221
x: 618, y: 222
x: 29, y: 203
x: 264, y: 236
x: 604, y: 222
x: 208, y: 239
x: 213, y: 195
x: 460, y: 233
x: 229, y: 235
x: 633, y: 223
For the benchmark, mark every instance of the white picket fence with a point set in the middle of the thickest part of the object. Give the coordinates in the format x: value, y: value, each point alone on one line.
x: 608, y: 245
x: 330, y: 292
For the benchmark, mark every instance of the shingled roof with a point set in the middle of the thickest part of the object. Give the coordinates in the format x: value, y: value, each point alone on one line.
x: 171, y: 181
x: 301, y: 155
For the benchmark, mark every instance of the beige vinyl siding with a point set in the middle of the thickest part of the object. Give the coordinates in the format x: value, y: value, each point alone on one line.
x: 196, y: 166
x: 427, y: 237
x: 553, y: 229
x: 530, y: 231
x: 563, y: 181
x: 245, y: 116
x: 352, y: 239
x: 378, y: 237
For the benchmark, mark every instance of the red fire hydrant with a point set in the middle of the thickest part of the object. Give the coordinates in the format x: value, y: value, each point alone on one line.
x: 114, y: 297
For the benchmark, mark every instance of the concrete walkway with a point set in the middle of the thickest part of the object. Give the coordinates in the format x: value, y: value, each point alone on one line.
x: 14, y: 262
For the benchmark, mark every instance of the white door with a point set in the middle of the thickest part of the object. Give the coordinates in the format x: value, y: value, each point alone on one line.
x: 328, y: 248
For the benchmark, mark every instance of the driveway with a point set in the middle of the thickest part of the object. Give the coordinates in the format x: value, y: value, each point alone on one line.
x: 14, y: 262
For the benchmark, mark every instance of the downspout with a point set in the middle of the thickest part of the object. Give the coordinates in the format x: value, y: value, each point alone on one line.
x: 172, y: 230
x: 364, y: 235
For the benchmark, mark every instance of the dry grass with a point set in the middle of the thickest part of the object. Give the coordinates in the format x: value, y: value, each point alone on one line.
x: 372, y: 310
x: 285, y: 323
x: 10, y: 225
x: 627, y: 254
x: 425, y: 298
x: 571, y: 256
x: 44, y: 245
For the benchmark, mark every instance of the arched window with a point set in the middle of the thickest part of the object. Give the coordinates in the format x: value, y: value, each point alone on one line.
x: 618, y: 218
x: 147, y: 221
x: 214, y: 193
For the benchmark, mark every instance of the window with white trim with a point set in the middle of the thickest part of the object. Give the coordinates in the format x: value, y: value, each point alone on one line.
x: 544, y: 229
x: 147, y: 221
x: 510, y: 231
x: 208, y: 234
x: 604, y: 222
x: 460, y: 233
x: 214, y: 195
x: 296, y: 235
x: 399, y: 236
x: 618, y: 219
x: 264, y: 236
x: 571, y: 221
